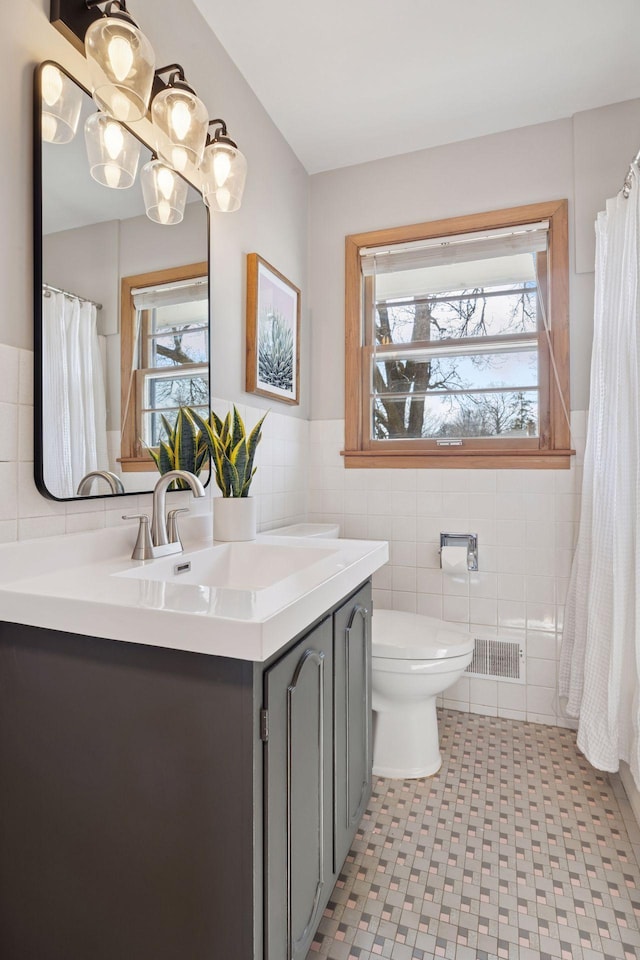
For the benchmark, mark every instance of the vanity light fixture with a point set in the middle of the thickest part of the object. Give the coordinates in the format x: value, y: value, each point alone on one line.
x: 123, y: 82
x: 61, y: 104
x: 224, y: 171
x: 112, y: 151
x: 183, y: 119
x: 164, y: 192
x: 121, y: 62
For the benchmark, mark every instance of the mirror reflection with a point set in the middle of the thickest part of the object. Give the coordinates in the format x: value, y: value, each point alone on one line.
x: 165, y: 334
x: 123, y: 314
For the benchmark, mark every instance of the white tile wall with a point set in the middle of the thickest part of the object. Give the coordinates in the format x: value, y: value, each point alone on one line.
x: 526, y: 522
x: 280, y: 484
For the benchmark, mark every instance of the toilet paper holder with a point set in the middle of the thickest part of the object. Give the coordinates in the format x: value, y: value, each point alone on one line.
x: 468, y: 540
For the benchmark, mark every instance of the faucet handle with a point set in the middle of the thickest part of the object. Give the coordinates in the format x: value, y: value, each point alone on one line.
x: 173, y: 534
x: 143, y: 549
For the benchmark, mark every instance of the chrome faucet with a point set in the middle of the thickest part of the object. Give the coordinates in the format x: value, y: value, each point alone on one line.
x: 112, y: 479
x: 158, y: 541
x: 159, y: 536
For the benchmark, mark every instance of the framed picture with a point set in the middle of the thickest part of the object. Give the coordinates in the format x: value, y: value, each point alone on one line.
x: 273, y: 332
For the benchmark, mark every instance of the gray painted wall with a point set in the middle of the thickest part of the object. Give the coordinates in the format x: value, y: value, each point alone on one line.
x: 583, y: 159
x: 273, y: 218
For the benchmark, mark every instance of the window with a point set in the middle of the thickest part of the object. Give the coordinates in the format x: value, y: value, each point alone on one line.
x: 165, y: 355
x: 457, y: 342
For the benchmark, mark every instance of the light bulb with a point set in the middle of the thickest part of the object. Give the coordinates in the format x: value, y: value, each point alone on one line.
x: 180, y: 119
x: 164, y: 211
x: 112, y: 151
x: 221, y: 166
x: 224, y: 198
x: 164, y: 192
x: 179, y: 158
x: 120, y: 57
x: 112, y: 174
x: 166, y: 182
x: 51, y: 84
x: 119, y: 105
x: 49, y: 127
x: 113, y: 140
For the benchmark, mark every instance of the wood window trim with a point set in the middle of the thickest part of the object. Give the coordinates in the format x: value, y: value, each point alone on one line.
x: 489, y: 454
x: 133, y: 458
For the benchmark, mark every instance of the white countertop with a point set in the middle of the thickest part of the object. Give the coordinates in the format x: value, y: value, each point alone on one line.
x: 76, y: 584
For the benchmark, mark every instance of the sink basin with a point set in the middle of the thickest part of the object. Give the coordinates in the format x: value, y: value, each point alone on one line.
x: 233, y: 566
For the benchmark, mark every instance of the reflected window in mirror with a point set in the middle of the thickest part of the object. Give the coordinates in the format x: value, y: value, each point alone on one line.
x: 165, y: 355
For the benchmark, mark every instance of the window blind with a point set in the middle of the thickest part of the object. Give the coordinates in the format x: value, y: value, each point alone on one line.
x: 187, y: 291
x: 456, y: 249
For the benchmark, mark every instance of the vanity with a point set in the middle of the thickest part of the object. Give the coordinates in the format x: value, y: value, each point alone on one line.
x: 183, y: 763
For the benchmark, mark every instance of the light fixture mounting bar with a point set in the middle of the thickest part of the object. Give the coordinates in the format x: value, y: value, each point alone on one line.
x: 171, y: 68
x: 72, y: 18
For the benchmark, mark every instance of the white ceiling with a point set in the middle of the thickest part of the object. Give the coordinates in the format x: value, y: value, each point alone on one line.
x: 348, y: 81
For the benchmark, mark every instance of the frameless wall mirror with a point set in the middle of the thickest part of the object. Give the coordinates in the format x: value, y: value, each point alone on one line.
x: 121, y: 299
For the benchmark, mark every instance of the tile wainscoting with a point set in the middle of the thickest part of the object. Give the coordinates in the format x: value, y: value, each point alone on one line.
x: 526, y: 522
x: 280, y: 484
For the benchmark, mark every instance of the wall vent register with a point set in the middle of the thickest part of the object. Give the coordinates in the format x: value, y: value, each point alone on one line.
x: 498, y: 659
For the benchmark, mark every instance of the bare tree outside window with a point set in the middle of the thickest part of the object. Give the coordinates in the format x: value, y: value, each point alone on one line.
x: 177, y: 374
x: 457, y: 394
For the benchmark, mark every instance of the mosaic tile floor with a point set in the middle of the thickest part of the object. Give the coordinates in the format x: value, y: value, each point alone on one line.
x: 517, y: 848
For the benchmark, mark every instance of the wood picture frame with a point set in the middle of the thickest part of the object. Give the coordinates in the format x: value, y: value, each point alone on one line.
x: 273, y: 333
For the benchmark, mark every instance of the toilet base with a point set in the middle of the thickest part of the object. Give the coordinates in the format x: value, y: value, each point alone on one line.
x: 393, y: 774
x: 405, y: 741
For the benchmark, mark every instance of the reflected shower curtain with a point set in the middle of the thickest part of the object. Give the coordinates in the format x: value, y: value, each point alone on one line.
x: 599, y: 672
x: 74, y: 402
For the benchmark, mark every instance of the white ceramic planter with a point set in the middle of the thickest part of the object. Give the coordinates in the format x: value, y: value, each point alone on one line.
x: 234, y: 518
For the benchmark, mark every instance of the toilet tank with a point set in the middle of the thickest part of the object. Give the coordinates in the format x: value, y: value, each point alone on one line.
x: 327, y: 530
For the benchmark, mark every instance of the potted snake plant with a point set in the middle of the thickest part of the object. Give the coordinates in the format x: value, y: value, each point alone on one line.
x: 232, y: 453
x: 183, y: 448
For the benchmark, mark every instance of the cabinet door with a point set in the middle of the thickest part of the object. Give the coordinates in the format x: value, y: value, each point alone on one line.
x: 352, y: 705
x: 298, y: 806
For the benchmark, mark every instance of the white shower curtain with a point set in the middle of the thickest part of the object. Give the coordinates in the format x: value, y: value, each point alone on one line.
x: 599, y: 669
x: 74, y: 402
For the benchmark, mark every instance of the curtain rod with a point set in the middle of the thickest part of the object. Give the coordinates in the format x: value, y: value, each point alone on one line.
x: 626, y: 186
x: 49, y: 289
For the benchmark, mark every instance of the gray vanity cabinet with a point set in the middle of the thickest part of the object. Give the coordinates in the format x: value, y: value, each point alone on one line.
x: 352, y: 711
x: 147, y: 812
x: 298, y: 794
x: 317, y: 770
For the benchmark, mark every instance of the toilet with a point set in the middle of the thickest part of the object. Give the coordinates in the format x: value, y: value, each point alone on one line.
x: 415, y: 658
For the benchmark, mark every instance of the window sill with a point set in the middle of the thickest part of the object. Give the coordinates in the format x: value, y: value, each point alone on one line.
x: 137, y: 465
x: 479, y: 460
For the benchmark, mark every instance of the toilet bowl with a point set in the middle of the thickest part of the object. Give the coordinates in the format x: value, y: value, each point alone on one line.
x: 415, y: 658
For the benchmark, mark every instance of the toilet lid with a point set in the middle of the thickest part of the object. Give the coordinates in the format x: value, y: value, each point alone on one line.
x: 411, y: 636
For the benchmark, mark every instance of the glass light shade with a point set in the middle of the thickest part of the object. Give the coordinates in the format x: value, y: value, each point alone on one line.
x: 121, y: 65
x: 224, y: 171
x: 61, y: 103
x: 164, y: 192
x: 112, y: 151
x: 183, y: 119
